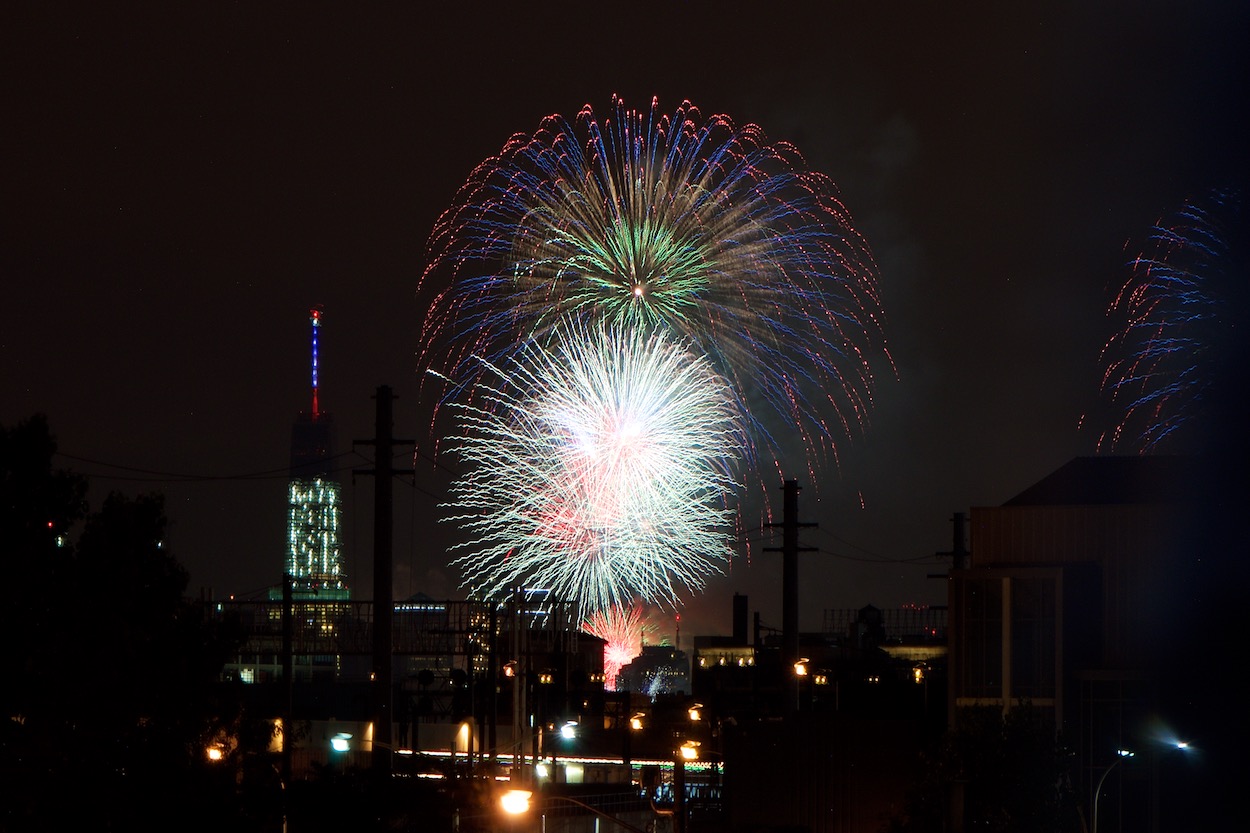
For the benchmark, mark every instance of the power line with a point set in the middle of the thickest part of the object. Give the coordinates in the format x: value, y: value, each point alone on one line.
x: 437, y: 463
x: 876, y: 556
x: 159, y: 476
x: 880, y: 560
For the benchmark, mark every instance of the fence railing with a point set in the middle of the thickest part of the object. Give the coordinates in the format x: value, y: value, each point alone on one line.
x: 419, y: 628
x: 907, y: 623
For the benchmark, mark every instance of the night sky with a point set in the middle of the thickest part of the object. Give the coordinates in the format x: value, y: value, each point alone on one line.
x: 181, y: 184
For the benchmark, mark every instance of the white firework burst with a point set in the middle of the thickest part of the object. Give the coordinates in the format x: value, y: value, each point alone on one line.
x: 600, y: 466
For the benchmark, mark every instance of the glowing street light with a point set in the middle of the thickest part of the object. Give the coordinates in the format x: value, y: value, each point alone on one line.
x: 696, y: 712
x: 569, y: 730
x: 515, y: 802
x: 1124, y: 755
x: 800, y: 671
x: 689, y: 750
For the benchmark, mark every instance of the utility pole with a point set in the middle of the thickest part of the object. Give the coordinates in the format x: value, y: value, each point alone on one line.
x: 959, y: 546
x: 790, y: 550
x: 959, y: 556
x: 383, y: 577
x: 288, y: 681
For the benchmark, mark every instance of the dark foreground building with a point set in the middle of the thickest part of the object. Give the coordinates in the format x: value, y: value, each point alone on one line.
x: 1099, y: 597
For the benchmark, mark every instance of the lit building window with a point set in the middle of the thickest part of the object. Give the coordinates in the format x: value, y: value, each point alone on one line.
x: 314, y: 551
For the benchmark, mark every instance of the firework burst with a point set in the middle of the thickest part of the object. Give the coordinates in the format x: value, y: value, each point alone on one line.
x: 648, y: 220
x: 1163, y: 368
x: 621, y: 628
x: 599, y: 468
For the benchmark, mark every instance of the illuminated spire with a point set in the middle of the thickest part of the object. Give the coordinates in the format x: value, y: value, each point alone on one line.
x: 314, y: 315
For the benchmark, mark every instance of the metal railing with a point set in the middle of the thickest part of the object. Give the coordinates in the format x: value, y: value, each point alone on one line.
x: 423, y: 628
x: 909, y: 623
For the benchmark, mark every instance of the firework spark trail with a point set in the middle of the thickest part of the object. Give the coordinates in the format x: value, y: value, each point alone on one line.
x: 645, y: 219
x: 600, y: 468
x: 1159, y: 366
x: 621, y: 627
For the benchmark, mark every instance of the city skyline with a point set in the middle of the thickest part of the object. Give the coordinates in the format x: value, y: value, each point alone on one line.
x: 185, y: 184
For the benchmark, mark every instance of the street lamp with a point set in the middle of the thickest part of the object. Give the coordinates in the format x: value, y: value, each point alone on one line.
x: 1124, y: 756
x: 517, y: 803
x: 800, y: 671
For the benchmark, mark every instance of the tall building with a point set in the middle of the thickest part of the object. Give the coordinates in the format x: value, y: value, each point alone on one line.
x: 314, y: 555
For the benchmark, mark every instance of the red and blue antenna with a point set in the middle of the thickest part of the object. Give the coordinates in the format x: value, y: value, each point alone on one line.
x: 314, y: 315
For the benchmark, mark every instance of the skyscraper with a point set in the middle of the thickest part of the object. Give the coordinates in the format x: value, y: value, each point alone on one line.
x: 314, y: 548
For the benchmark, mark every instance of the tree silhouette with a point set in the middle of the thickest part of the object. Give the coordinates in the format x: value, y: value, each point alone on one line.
x: 115, y: 693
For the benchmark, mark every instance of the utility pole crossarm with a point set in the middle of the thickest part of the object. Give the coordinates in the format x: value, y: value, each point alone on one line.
x: 383, y: 576
x: 790, y: 550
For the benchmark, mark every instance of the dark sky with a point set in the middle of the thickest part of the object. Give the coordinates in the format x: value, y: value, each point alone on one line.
x: 180, y: 184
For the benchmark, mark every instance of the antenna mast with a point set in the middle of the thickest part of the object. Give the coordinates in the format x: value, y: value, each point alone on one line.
x: 314, y: 316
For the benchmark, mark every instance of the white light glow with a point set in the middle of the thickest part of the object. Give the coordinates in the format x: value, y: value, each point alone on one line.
x: 515, y: 802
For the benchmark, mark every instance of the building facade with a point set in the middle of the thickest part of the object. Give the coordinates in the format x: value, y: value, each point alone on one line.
x: 1079, y: 600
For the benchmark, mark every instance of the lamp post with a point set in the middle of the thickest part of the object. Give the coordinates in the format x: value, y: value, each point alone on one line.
x: 800, y: 671
x: 634, y: 725
x: 1124, y: 756
x: 517, y: 803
